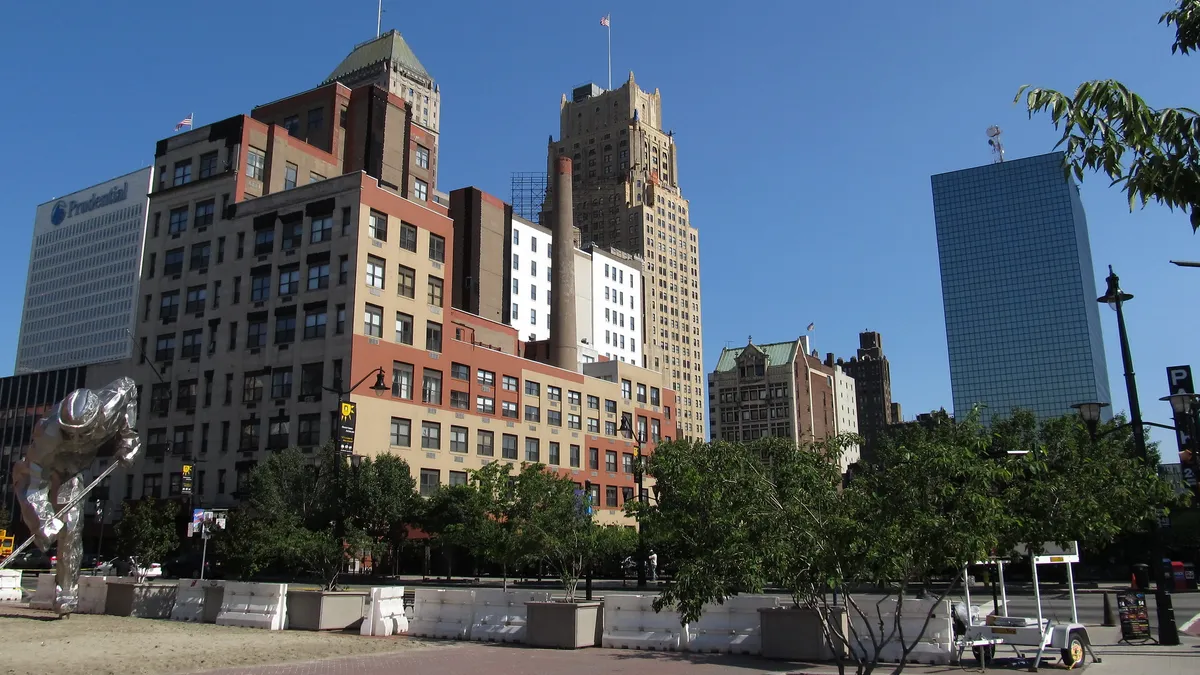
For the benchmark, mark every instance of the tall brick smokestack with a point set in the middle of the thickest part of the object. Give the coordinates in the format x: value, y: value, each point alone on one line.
x: 564, y: 343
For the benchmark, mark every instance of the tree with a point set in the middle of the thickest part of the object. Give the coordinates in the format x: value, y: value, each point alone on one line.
x: 385, y: 500
x: 494, y: 524
x: 443, y: 513
x: 1153, y: 153
x: 147, y: 532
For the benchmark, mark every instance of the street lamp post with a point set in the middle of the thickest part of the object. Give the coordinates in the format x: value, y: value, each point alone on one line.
x: 100, y: 539
x: 379, y: 388
x: 1168, y: 633
x: 638, y: 471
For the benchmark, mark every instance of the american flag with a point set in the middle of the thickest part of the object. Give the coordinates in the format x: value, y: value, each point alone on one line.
x: 604, y: 21
x: 812, y: 326
x: 186, y: 122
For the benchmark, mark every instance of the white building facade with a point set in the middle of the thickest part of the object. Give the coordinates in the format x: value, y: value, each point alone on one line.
x: 846, y: 421
x: 529, y: 280
x: 84, y: 266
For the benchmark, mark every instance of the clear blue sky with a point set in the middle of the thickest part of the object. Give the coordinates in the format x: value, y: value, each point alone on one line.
x: 807, y: 134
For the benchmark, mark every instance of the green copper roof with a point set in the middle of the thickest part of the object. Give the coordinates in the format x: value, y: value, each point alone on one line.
x: 389, y: 47
x: 777, y: 353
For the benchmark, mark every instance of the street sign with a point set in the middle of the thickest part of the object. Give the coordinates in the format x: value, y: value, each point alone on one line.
x: 186, y: 484
x: 349, y: 419
x: 1179, y: 381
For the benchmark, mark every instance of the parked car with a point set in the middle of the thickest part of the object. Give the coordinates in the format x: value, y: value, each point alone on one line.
x: 125, y: 567
x: 31, y: 559
x: 187, y: 566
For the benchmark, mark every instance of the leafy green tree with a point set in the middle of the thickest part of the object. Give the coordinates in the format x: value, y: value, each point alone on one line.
x: 494, y: 524
x: 385, y: 500
x: 147, y: 531
x: 1153, y: 153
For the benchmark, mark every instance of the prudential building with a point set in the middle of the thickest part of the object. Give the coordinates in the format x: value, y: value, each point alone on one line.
x: 84, y: 266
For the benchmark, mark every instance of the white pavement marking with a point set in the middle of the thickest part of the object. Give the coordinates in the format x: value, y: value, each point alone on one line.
x: 1189, y: 623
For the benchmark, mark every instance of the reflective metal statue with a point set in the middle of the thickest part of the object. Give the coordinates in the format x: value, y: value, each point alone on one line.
x: 64, y: 445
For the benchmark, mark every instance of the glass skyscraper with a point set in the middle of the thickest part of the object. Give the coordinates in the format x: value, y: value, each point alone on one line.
x: 1018, y: 289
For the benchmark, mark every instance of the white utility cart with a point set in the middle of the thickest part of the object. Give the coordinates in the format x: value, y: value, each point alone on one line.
x: 1025, y: 634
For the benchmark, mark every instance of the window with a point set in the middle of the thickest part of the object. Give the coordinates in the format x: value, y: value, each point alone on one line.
x: 204, y: 213
x: 437, y: 248
x: 610, y: 428
x: 610, y: 406
x: 375, y: 271
x: 289, y: 176
x: 401, y: 432
x: 593, y: 425
x: 627, y: 462
x: 554, y: 418
x: 316, y: 117
x: 408, y: 237
x: 574, y: 456
x: 285, y: 327
x: 554, y: 393
x: 654, y: 396
x: 373, y: 321
x: 594, y: 459
x: 460, y: 400
x: 593, y: 402
x: 281, y: 383
x: 183, y: 172
x: 655, y: 430
x: 406, y: 282
x: 431, y: 387
x: 610, y: 496
x: 314, y: 177
x: 264, y: 241
x: 314, y: 323
x: 458, y: 439
x: 168, y: 307
x: 311, y: 376
x: 626, y: 389
x: 431, y: 480
x: 151, y: 485
x: 460, y: 371
x: 641, y: 393
x: 252, y: 388
x: 260, y: 287
x: 508, y: 447
x: 431, y: 435
x: 485, y: 405
x: 377, y: 225
x: 292, y: 124
x: 516, y: 261
x: 420, y: 189
x: 554, y: 458
x: 308, y: 432
x: 458, y: 478
x: 610, y: 461
x: 533, y: 413
x: 532, y: 388
x: 208, y: 164
x: 433, y: 336
x: 339, y: 325
x: 186, y: 395
x: 256, y: 160
x: 573, y: 398
x: 289, y: 281
x: 404, y: 328
x: 249, y: 435
x: 293, y: 235
x: 485, y: 377
x: 574, y: 421
x: 173, y: 261
x: 200, y: 256
x: 533, y: 450
x: 321, y: 230
x: 485, y: 446
x: 318, y: 276
x: 278, y: 432
x: 178, y: 220
x: 435, y: 291
x: 508, y: 409
x: 402, y: 380
x: 422, y: 157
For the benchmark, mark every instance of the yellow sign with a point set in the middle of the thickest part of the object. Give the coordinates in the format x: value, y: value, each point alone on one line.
x: 347, y: 410
x: 187, y: 469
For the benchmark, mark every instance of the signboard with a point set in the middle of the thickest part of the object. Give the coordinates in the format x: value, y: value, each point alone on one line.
x: 1179, y: 381
x: 204, y: 521
x: 348, y: 420
x: 1135, y: 621
x: 185, y: 486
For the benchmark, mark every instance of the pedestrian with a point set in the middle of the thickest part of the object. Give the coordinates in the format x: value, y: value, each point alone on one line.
x: 653, y: 560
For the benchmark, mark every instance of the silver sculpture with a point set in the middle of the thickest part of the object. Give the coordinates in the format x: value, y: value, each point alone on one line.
x: 64, y: 445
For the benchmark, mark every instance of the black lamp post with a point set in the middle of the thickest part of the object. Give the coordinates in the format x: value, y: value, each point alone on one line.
x: 379, y: 388
x: 1168, y: 633
x: 627, y: 429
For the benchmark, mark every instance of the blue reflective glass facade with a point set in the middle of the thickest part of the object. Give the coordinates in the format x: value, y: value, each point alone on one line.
x: 1018, y: 289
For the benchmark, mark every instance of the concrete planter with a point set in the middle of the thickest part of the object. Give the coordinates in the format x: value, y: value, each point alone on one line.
x: 794, y: 634
x: 213, y: 597
x: 326, y: 610
x: 145, y: 601
x: 563, y: 625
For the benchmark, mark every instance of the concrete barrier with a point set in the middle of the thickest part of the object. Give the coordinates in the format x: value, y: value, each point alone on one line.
x: 630, y: 622
x: 936, y: 646
x: 10, y: 585
x: 731, y: 628
x: 43, y: 597
x: 500, y: 616
x: 385, y: 612
x: 192, y: 597
x: 442, y: 613
x: 93, y: 595
x: 254, y: 605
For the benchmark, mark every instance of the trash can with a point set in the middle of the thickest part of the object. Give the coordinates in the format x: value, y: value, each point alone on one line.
x: 1141, y: 577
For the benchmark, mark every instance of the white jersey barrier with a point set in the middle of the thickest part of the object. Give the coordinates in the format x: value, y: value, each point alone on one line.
x: 93, y: 595
x: 731, y: 627
x: 189, y: 599
x: 10, y: 585
x: 936, y: 646
x: 500, y: 616
x: 43, y: 597
x: 442, y: 613
x: 385, y: 615
x: 254, y: 605
x: 630, y: 622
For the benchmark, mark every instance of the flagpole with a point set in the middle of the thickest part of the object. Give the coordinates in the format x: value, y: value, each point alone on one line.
x: 379, y: 19
x: 609, y: 27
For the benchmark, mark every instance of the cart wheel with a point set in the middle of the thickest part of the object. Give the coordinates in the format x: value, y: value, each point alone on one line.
x: 984, y: 654
x: 1073, y: 655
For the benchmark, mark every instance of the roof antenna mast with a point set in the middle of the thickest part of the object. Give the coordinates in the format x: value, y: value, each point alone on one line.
x: 379, y: 20
x: 993, y: 134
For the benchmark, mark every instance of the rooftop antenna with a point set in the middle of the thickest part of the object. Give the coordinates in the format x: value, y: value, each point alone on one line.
x: 379, y: 20
x: 993, y: 134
